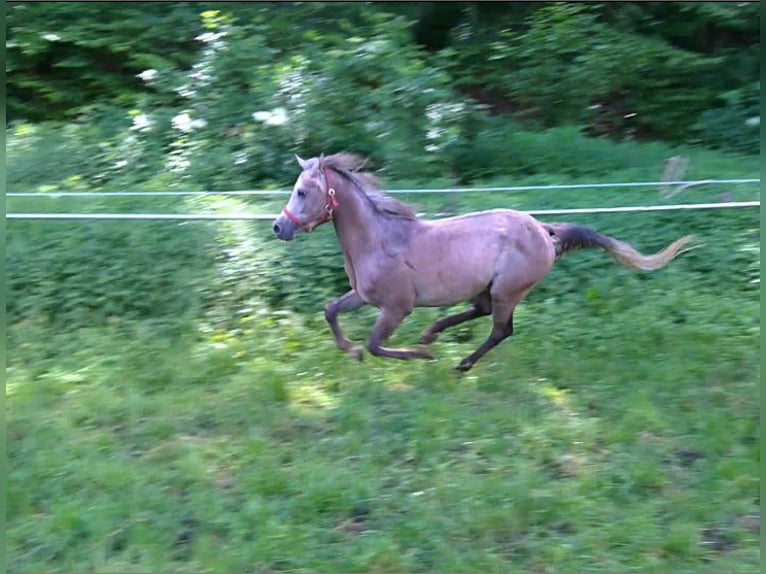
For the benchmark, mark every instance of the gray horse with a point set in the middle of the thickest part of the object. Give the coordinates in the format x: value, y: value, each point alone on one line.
x: 396, y: 261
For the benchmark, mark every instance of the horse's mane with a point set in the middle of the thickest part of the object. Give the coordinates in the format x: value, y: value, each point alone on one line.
x: 348, y: 165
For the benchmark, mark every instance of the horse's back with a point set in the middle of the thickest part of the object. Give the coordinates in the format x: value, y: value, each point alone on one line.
x: 488, y: 214
x: 459, y: 257
x: 493, y: 225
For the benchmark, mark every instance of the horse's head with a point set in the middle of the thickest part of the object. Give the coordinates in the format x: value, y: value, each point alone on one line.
x: 311, y: 202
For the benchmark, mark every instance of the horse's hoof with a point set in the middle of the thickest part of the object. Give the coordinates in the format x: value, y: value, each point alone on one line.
x: 465, y: 365
x: 356, y: 353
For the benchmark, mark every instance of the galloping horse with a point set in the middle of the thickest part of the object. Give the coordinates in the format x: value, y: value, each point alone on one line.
x: 396, y: 261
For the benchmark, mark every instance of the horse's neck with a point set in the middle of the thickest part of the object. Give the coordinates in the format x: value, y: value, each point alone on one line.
x: 356, y: 225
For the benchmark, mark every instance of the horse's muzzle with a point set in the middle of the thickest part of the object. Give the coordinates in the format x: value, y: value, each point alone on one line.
x: 283, y: 228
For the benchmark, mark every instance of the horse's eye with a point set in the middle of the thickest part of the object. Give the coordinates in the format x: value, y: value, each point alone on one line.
x: 301, y: 193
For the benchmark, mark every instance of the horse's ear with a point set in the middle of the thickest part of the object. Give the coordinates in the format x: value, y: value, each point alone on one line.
x: 321, y: 161
x: 302, y: 162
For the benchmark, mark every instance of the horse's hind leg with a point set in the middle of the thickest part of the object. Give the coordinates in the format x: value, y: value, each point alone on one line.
x: 348, y: 302
x: 387, y: 322
x: 482, y: 306
x: 502, y: 326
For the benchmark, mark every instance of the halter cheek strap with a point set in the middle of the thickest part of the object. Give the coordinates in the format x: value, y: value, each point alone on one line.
x: 331, y: 204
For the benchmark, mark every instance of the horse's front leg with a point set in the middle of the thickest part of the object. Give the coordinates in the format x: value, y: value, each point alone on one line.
x: 348, y: 302
x: 387, y: 322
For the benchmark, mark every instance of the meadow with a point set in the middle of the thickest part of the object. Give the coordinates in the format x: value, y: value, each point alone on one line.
x: 175, y: 402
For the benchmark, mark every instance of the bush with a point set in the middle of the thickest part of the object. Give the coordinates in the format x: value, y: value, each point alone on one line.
x: 74, y: 274
x: 565, y: 65
x: 64, y: 57
x: 736, y: 124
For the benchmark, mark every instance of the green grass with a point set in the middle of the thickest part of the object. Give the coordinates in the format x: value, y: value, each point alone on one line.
x: 613, y: 441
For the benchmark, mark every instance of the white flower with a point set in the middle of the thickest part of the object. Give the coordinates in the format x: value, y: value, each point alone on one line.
x: 141, y: 122
x: 753, y: 122
x: 278, y: 117
x: 208, y: 37
x: 186, y: 92
x: 275, y: 117
x: 147, y: 75
x: 178, y: 164
x: 182, y: 122
x: 52, y: 37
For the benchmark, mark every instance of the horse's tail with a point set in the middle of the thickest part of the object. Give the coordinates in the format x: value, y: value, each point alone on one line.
x: 569, y: 237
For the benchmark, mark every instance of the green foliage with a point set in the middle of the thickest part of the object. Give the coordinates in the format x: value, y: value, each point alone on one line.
x: 239, y: 113
x: 88, y: 273
x: 496, y: 148
x: 101, y: 149
x: 624, y: 70
x: 568, y: 67
x: 64, y: 57
x: 736, y: 124
x: 372, y: 88
x: 729, y: 29
x: 354, y: 75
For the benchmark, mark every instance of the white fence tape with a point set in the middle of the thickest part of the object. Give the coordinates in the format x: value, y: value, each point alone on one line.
x: 270, y: 217
x: 552, y: 187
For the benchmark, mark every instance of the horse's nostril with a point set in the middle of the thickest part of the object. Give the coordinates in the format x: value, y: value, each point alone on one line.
x: 276, y: 228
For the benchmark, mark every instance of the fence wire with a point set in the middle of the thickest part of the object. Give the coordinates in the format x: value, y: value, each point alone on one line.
x: 264, y: 217
x: 271, y: 217
x: 254, y: 192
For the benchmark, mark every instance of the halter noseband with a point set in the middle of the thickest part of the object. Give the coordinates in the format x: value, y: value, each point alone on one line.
x: 330, y: 205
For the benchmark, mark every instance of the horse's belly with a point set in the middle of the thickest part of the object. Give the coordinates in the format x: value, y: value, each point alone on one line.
x: 449, y: 287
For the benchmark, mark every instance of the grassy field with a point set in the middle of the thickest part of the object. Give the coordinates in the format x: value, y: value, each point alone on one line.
x: 618, y: 430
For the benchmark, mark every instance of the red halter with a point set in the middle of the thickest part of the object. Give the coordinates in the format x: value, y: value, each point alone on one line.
x: 330, y: 205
